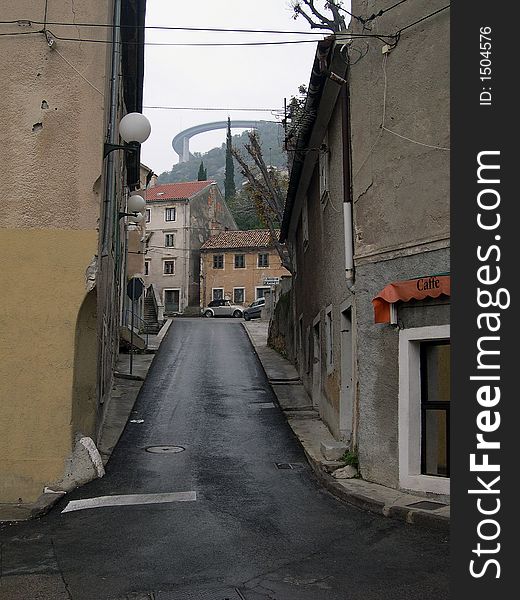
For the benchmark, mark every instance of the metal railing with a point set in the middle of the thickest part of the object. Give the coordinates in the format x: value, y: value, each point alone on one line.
x: 142, y: 325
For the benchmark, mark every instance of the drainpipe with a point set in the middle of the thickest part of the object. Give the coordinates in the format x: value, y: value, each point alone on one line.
x: 110, y: 209
x: 347, y: 190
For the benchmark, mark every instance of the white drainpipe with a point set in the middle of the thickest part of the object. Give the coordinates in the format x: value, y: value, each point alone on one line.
x: 347, y: 227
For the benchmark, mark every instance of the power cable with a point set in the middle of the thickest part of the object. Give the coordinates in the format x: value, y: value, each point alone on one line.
x: 270, y: 110
x: 181, y: 44
x: 383, y: 11
x: 423, y: 18
x: 28, y: 22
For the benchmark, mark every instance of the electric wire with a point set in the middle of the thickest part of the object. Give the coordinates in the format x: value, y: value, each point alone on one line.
x: 27, y: 22
x: 269, y: 110
x: 78, y: 72
x: 383, y: 11
x: 423, y: 19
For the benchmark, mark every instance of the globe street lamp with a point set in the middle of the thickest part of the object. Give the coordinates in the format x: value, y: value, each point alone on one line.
x: 134, y: 129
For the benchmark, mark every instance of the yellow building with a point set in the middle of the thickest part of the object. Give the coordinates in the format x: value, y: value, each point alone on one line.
x: 61, y: 236
x: 239, y: 265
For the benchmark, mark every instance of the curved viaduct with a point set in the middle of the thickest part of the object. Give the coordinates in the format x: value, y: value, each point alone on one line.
x: 181, y: 142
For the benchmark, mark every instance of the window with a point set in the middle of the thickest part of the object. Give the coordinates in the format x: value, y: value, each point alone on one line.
x: 218, y: 294
x: 239, y: 295
x: 435, y: 408
x: 305, y: 224
x: 324, y: 168
x: 260, y: 291
x: 240, y: 261
x: 169, y: 267
x: 424, y: 404
x: 148, y: 215
x: 169, y: 240
x: 263, y: 260
x: 218, y: 261
x: 170, y: 214
x: 147, y: 267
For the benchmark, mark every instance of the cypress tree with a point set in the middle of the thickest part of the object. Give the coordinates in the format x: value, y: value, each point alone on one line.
x: 203, y: 173
x: 229, y: 182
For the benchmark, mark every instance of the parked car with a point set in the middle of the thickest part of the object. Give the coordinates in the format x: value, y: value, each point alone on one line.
x: 222, y: 308
x: 254, y: 310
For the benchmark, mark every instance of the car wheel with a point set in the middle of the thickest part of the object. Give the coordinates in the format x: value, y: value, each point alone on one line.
x: 237, y: 314
x: 208, y: 314
x: 247, y: 317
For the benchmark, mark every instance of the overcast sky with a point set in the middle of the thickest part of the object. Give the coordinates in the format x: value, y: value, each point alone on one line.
x: 223, y: 77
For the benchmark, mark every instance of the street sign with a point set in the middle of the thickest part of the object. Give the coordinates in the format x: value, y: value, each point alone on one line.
x: 271, y: 280
x: 134, y: 289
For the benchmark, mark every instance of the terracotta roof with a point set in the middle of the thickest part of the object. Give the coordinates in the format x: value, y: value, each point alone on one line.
x: 254, y: 238
x: 176, y: 191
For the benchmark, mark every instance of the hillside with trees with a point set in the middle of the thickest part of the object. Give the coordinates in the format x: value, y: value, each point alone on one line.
x: 271, y: 140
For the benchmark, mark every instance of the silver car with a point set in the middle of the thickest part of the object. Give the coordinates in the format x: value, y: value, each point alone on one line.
x: 222, y: 308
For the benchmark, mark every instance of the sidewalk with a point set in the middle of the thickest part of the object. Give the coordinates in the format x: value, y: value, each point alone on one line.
x: 305, y: 422
x: 124, y: 393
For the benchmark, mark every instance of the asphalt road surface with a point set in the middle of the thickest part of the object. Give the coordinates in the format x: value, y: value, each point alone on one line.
x: 244, y: 529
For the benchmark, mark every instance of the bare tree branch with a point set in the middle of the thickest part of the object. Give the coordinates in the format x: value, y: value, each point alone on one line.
x: 266, y: 195
x: 320, y: 21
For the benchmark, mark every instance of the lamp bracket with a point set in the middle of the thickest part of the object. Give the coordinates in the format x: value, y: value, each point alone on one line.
x: 108, y: 148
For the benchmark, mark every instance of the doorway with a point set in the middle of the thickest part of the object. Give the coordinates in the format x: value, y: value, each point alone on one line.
x: 316, y: 363
x: 346, y: 398
x: 172, y: 299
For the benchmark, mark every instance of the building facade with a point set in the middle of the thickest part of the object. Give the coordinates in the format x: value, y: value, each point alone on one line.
x: 240, y: 266
x: 180, y: 217
x: 60, y: 235
x: 367, y: 215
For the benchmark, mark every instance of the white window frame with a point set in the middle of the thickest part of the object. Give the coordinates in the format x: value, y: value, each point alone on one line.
x: 168, y: 234
x: 305, y: 224
x: 329, y: 338
x: 243, y: 295
x: 258, y: 260
x: 148, y: 215
x: 410, y: 476
x: 213, y: 294
x: 223, y: 261
x: 234, y: 260
x: 166, y: 220
x: 169, y: 260
x: 261, y: 287
x: 324, y: 168
x: 147, y: 267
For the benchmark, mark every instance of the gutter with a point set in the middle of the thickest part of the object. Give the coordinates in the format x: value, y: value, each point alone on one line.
x: 327, y: 77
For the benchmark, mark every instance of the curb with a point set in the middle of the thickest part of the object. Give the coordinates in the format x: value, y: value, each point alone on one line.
x: 408, y: 515
x: 412, y: 516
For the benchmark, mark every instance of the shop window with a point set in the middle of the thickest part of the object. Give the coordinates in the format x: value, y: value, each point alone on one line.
x: 424, y: 409
x: 435, y: 408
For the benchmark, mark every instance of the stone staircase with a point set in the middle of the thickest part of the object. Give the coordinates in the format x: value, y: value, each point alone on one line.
x: 150, y: 314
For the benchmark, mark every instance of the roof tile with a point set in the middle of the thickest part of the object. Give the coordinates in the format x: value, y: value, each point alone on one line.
x: 254, y: 238
x: 176, y: 191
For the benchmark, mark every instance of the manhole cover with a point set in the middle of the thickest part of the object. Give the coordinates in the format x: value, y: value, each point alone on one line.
x: 165, y: 449
x: 426, y: 505
x: 289, y: 465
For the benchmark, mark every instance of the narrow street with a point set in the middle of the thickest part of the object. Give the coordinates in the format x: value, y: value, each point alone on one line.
x: 246, y: 530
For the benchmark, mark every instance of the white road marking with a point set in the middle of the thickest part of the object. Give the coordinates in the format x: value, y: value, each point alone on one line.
x: 129, y: 499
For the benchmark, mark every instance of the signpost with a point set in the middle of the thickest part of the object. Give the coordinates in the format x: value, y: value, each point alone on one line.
x: 134, y: 291
x: 271, y: 281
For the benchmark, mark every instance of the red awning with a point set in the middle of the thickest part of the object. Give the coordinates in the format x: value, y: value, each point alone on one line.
x: 404, y: 291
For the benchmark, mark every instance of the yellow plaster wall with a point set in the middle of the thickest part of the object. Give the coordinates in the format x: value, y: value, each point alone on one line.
x: 228, y: 278
x: 43, y: 287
